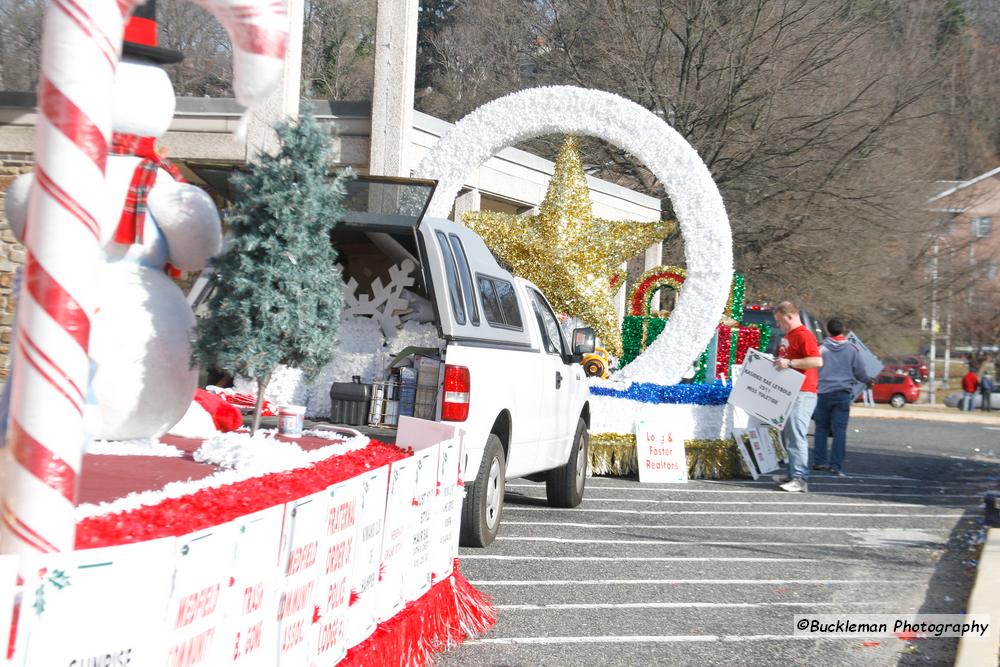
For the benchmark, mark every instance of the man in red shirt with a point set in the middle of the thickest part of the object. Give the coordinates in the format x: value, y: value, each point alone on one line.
x: 970, y: 383
x: 798, y: 351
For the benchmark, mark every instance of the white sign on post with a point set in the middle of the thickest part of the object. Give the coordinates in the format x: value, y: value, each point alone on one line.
x: 661, y: 454
x: 742, y: 443
x: 765, y: 391
x: 251, y: 635
x: 763, y: 451
x: 203, y: 566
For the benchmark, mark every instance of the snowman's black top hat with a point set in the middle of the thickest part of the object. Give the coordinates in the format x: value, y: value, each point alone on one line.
x: 140, y: 36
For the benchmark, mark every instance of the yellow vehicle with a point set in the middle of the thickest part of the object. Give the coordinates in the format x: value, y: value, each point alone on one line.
x: 595, y: 364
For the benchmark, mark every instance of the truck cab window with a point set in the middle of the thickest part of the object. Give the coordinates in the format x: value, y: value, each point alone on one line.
x: 454, y: 292
x: 508, y: 303
x: 491, y: 305
x: 547, y: 323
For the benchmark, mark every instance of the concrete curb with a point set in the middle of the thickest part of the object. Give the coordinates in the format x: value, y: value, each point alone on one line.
x: 984, y: 599
x: 928, y: 414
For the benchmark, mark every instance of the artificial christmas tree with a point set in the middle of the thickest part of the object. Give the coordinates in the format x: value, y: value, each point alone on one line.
x: 279, y: 292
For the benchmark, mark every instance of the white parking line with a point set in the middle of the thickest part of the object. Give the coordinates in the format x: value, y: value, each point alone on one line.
x: 771, y: 492
x: 821, y: 481
x: 679, y: 605
x: 649, y: 639
x: 667, y: 582
x: 793, y: 501
x: 869, y: 515
x: 666, y: 559
x: 661, y: 543
x: 697, y: 527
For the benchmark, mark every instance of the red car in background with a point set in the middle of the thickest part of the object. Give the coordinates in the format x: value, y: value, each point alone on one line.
x: 913, y: 365
x: 896, y: 389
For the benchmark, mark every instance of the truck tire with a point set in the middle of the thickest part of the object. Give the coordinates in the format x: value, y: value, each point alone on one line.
x: 483, y: 504
x: 564, y: 485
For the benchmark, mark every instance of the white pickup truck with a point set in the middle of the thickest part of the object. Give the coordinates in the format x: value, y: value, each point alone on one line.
x: 508, y: 375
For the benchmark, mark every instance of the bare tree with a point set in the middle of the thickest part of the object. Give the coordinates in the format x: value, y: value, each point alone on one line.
x: 338, y: 49
x: 819, y: 120
x: 20, y: 43
x: 206, y: 70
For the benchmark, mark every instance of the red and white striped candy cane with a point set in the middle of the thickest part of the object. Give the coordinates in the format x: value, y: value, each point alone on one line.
x: 67, y: 221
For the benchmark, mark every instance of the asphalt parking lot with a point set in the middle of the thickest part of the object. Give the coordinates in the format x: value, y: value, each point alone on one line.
x: 712, y: 573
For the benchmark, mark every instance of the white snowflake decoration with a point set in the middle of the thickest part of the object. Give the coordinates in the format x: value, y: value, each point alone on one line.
x: 386, y: 303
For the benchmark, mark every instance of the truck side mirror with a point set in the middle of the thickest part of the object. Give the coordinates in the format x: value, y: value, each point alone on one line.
x: 583, y: 341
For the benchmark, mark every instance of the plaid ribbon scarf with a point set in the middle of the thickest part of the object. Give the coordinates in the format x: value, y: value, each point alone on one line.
x: 133, y: 217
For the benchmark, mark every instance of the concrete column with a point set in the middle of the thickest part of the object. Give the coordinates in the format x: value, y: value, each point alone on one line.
x: 283, y: 102
x: 466, y: 202
x: 395, y: 78
x: 652, y: 259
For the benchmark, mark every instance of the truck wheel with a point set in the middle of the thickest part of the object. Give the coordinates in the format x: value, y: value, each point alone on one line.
x: 484, y: 498
x: 564, y: 486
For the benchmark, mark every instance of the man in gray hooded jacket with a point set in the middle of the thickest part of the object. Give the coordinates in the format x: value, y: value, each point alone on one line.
x: 842, y: 367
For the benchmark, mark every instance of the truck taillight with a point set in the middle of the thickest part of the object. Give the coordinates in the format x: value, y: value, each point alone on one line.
x: 455, y: 406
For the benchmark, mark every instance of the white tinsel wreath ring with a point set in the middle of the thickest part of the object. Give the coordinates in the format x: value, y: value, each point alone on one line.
x: 695, y: 197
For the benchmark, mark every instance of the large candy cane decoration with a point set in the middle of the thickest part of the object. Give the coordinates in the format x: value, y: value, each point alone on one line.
x: 68, y: 218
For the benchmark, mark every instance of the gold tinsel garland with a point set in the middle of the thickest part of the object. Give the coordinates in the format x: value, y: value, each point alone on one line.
x: 615, y: 454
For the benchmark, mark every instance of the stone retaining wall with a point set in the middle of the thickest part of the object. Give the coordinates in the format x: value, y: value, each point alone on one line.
x: 11, y: 257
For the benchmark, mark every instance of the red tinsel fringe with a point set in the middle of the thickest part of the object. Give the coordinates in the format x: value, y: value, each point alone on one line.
x: 445, y: 616
x: 211, y: 507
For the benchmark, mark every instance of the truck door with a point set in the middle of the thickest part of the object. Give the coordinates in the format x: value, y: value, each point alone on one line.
x: 556, y: 385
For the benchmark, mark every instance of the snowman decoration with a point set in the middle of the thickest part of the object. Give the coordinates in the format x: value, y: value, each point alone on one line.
x: 140, y: 341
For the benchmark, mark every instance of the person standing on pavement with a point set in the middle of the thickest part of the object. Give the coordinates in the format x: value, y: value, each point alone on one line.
x: 970, y: 382
x: 798, y: 351
x: 842, y: 368
x: 867, y: 398
x: 986, y: 391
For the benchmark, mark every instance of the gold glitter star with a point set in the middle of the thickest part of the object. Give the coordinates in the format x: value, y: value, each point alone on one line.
x: 573, y: 257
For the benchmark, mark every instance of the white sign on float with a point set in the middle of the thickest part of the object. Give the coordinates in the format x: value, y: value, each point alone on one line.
x: 251, y: 634
x: 661, y: 454
x: 8, y: 590
x: 368, y: 555
x: 765, y: 391
x: 418, y: 580
x: 299, y: 563
x: 202, y: 576
x: 396, y: 538
x: 447, y: 514
x: 426, y: 438
x: 98, y: 606
x: 328, y: 636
